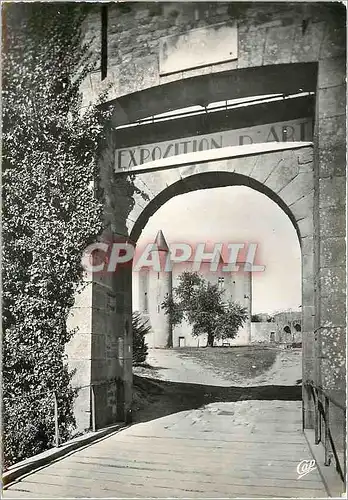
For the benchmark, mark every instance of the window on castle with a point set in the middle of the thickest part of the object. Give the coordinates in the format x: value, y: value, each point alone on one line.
x: 221, y: 282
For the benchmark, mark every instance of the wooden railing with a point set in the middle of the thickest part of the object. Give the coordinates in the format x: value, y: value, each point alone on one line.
x: 322, y: 403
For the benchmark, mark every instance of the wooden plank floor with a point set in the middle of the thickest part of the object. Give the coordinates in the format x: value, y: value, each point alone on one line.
x: 224, y: 450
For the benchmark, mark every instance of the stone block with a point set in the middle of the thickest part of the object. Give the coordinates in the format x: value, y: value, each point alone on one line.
x: 305, y: 156
x: 99, y: 372
x: 303, y: 207
x: 279, y: 45
x: 307, y: 322
x: 112, y: 368
x: 265, y: 164
x: 308, y: 292
x: 308, y: 317
x: 332, y: 222
x: 81, y: 319
x: 308, y: 368
x: 307, y: 245
x: 82, y: 372
x: 139, y: 74
x: 133, y: 216
x: 83, y: 296
x: 307, y: 266
x: 299, y: 187
x: 103, y: 284
x: 244, y: 166
x: 331, y: 72
x: 332, y: 252
x: 332, y: 101
x: 308, y: 344
x: 99, y: 321
x: 333, y: 310
x: 334, y: 43
x: 189, y: 73
x: 332, y: 192
x: 142, y: 188
x: 110, y: 324
x: 171, y: 176
x: 250, y: 48
x: 333, y: 377
x: 306, y: 226
x: 225, y: 66
x: 171, y: 78
x: 110, y: 83
x: 82, y: 410
x: 307, y: 45
x: 154, y: 182
x: 141, y: 13
x: 332, y: 160
x: 187, y: 171
x: 332, y: 132
x: 333, y: 348
x: 111, y: 344
x: 100, y: 296
x: 306, y: 168
x: 79, y: 347
x: 285, y: 171
x: 333, y: 281
x: 98, y: 346
x: 139, y: 200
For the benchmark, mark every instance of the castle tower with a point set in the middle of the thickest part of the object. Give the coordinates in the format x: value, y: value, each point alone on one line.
x: 153, y: 288
x: 241, y: 291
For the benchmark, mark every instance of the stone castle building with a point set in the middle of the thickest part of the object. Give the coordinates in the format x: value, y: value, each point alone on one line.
x: 153, y: 286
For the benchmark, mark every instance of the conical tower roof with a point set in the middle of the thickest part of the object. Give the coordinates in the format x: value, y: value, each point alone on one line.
x: 160, y: 243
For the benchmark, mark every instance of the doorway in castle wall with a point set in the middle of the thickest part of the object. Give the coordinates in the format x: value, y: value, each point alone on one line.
x: 211, y: 219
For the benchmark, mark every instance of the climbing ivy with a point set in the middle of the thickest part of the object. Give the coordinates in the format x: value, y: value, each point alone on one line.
x: 51, y: 212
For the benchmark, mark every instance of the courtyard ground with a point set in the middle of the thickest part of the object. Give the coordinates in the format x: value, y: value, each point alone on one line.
x: 242, y: 366
x: 182, y: 379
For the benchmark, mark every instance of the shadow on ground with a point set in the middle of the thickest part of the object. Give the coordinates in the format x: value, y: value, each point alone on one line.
x: 158, y: 398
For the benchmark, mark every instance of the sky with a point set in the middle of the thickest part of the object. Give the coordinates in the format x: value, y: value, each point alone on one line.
x: 238, y: 214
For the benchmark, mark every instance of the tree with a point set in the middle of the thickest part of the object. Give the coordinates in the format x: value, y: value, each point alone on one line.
x: 256, y: 318
x: 51, y: 212
x: 141, y: 328
x: 203, y: 306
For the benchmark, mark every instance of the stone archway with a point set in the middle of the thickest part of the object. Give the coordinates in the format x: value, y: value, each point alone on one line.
x: 279, y: 51
x: 283, y: 172
x: 131, y: 197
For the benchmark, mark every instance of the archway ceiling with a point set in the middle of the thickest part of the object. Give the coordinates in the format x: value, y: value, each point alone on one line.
x: 276, y: 79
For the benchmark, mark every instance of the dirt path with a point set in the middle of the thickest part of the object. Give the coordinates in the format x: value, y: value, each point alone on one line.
x: 170, y: 365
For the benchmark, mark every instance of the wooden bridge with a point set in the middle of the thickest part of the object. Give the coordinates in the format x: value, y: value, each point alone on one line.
x: 223, y: 450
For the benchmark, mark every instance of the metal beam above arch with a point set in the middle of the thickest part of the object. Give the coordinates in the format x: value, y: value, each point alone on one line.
x: 272, y: 79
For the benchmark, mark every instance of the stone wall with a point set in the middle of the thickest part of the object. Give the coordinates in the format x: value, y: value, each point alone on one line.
x: 261, y: 332
x: 268, y: 33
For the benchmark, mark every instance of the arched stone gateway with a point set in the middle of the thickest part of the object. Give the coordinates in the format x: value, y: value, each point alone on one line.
x: 279, y: 49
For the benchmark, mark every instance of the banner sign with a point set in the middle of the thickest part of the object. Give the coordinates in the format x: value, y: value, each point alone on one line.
x: 133, y: 157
